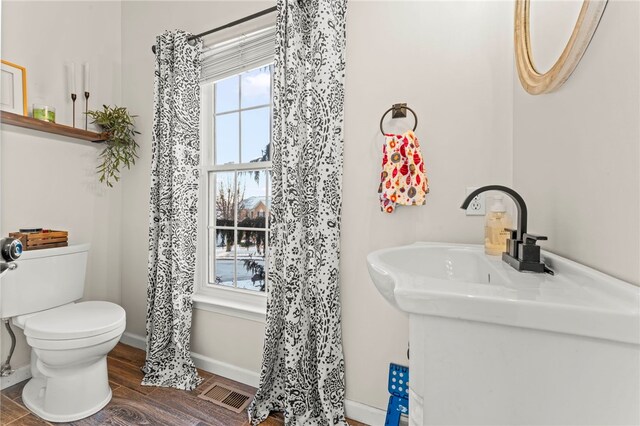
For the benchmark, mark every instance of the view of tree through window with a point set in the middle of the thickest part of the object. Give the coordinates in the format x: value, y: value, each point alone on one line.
x: 239, y: 181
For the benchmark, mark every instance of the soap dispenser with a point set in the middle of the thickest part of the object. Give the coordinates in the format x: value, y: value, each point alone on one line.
x: 495, y: 228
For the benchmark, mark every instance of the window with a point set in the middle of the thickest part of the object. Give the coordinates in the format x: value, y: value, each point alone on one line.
x: 236, y: 122
x: 238, y: 181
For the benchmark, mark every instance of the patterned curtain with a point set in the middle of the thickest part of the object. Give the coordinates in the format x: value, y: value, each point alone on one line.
x: 173, y: 213
x: 303, y: 367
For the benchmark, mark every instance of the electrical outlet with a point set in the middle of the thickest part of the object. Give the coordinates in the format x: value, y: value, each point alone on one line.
x: 476, y: 207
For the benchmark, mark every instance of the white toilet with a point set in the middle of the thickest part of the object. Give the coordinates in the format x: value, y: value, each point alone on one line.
x: 69, y: 341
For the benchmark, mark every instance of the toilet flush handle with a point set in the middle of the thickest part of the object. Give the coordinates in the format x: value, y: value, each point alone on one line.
x: 7, y: 267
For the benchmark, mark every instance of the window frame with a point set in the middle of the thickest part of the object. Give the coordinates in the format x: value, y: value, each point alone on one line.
x: 233, y: 301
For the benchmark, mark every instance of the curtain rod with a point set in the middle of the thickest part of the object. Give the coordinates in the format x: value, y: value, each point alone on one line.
x: 229, y: 25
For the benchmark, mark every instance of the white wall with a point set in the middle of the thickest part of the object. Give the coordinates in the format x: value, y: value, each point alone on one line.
x: 576, y: 152
x: 50, y: 181
x: 450, y: 61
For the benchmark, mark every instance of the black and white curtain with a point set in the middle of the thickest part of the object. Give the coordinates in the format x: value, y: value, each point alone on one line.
x: 173, y: 213
x: 303, y: 367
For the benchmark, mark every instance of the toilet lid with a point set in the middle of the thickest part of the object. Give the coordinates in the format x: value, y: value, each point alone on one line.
x: 75, y: 321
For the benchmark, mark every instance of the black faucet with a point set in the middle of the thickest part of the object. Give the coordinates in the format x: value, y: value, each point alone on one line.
x: 522, y: 252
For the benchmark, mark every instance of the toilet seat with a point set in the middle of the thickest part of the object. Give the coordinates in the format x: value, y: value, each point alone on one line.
x: 58, y: 345
x: 73, y: 325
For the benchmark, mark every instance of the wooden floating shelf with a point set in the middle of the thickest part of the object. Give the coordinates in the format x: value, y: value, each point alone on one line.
x: 45, y: 126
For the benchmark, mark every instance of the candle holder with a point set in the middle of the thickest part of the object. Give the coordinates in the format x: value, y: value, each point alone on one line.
x: 86, y: 110
x: 73, y: 101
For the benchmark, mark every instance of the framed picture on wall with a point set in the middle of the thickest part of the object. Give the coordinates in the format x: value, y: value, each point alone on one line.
x: 13, y: 88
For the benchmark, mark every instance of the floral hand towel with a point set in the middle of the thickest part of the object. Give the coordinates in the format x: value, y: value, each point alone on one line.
x: 403, y: 179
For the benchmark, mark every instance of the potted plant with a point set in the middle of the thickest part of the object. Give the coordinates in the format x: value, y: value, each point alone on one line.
x: 121, y: 149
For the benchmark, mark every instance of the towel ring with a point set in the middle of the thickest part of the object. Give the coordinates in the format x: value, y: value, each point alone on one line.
x: 399, y: 111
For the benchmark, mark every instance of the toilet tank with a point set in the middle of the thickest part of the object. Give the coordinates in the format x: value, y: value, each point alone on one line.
x: 43, y: 280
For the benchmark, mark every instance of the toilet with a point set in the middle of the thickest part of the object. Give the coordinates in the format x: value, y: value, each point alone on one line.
x: 69, y: 340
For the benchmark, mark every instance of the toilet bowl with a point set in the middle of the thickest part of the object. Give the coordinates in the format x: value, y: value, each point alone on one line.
x: 69, y: 346
x: 69, y: 341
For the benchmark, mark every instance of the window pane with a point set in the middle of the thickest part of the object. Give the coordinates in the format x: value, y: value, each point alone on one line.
x: 224, y: 259
x: 227, y: 95
x: 227, y: 136
x: 256, y: 134
x: 252, y: 208
x: 225, y: 197
x: 251, y: 260
x: 256, y: 87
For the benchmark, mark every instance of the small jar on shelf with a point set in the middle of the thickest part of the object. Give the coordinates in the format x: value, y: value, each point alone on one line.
x: 44, y: 112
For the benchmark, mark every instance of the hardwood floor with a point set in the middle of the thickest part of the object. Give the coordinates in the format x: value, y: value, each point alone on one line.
x: 134, y: 404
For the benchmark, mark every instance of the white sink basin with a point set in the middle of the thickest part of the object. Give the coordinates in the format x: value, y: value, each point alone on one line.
x: 494, y: 346
x: 460, y: 281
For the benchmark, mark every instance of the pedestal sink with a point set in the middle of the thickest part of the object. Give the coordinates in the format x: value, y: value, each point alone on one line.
x: 494, y: 346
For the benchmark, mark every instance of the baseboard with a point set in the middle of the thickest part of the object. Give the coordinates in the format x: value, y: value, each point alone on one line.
x: 224, y: 369
x: 354, y: 410
x: 134, y: 340
x: 19, y: 375
x: 364, y: 413
x: 203, y: 362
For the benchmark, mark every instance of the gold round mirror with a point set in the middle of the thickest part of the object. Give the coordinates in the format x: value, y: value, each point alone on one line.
x: 535, y: 80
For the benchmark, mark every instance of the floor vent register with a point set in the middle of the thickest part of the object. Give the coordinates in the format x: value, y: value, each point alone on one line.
x: 226, y: 396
